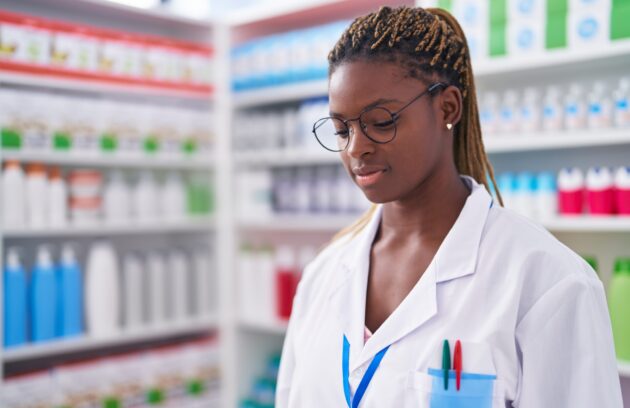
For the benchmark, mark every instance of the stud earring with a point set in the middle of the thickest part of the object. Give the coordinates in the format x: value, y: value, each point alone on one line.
x: 449, y: 126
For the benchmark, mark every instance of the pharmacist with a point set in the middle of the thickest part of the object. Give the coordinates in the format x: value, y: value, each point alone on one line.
x: 438, y: 296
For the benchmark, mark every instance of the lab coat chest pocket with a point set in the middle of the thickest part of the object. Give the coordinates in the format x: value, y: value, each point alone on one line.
x: 479, y: 386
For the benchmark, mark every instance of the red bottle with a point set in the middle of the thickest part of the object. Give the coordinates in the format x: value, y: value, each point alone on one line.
x: 600, y: 191
x: 570, y: 191
x: 287, y: 275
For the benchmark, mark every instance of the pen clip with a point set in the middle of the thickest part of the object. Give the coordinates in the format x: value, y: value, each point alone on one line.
x: 457, y: 363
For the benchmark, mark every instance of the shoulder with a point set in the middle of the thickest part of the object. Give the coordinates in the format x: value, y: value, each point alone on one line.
x: 536, y: 261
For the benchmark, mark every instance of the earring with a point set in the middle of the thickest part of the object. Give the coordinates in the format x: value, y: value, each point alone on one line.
x: 449, y: 126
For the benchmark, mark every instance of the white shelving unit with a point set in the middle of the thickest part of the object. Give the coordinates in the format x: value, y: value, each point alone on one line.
x: 199, y: 229
x: 110, y: 161
x: 124, y: 337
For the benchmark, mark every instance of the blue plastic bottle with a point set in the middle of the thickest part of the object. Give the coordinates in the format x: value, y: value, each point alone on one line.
x: 69, y: 295
x: 43, y: 301
x: 15, y: 301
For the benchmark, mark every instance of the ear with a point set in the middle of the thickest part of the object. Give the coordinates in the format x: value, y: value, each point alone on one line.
x: 451, y: 103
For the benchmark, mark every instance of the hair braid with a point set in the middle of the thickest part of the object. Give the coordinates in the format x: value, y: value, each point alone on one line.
x: 430, y: 43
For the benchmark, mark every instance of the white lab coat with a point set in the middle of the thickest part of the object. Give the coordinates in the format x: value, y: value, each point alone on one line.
x: 524, y: 306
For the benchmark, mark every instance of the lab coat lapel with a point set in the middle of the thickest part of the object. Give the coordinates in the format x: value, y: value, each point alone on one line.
x: 349, y: 296
x: 456, y: 257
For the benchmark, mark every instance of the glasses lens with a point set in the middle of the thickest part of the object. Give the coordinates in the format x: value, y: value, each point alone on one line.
x: 379, y: 124
x: 332, y: 134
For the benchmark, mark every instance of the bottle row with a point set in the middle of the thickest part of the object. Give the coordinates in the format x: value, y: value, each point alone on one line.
x: 45, y: 198
x: 45, y: 122
x: 294, y: 56
x: 267, y: 280
x: 275, y: 129
x: 323, y: 190
x: 182, y: 375
x: 89, y: 51
x: 576, y: 107
x: 262, y: 393
x: 58, y: 299
x: 543, y: 196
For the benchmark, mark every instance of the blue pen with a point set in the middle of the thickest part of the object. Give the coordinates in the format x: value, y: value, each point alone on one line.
x: 446, y: 362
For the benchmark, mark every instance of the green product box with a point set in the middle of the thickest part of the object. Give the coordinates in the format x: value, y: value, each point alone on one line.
x: 11, y: 139
x: 557, y: 7
x: 556, y: 31
x: 498, y: 11
x: 445, y: 4
x: 620, y: 3
x: 151, y: 144
x: 498, y: 39
x: 109, y: 143
x: 62, y: 141
x: 620, y: 20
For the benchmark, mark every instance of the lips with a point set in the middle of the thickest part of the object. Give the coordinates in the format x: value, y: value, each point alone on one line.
x: 366, y: 176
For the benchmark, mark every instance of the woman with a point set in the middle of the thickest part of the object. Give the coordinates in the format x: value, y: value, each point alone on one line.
x: 438, y: 297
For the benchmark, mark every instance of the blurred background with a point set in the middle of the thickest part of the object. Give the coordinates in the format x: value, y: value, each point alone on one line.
x: 162, y: 190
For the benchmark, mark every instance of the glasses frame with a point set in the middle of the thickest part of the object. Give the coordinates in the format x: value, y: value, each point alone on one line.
x: 395, y: 116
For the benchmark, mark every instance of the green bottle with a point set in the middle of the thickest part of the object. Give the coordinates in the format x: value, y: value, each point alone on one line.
x: 619, y: 305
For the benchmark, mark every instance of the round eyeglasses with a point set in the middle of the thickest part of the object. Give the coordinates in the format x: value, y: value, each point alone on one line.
x: 377, y: 123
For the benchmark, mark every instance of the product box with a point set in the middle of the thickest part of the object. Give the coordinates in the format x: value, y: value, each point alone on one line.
x: 620, y: 21
x: 24, y: 43
x: 556, y: 31
x: 75, y: 52
x: 526, y: 9
x: 588, y: 29
x: 526, y: 36
x: 498, y: 39
x: 589, y: 5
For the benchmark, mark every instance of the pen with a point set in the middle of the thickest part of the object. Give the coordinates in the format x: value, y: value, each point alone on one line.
x: 446, y: 362
x: 457, y: 363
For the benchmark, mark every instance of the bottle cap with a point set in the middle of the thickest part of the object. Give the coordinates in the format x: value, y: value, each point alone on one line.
x: 55, y: 173
x: 36, y: 168
x: 10, y: 164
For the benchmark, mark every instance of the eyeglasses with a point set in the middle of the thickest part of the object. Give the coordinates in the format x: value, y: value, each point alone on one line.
x: 377, y: 123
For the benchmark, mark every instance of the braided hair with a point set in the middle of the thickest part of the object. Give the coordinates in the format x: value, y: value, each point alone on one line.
x: 429, y: 44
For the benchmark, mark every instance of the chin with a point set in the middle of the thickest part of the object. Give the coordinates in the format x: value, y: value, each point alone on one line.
x: 376, y: 196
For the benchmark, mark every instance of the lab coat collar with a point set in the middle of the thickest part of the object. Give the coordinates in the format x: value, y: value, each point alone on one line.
x: 456, y: 257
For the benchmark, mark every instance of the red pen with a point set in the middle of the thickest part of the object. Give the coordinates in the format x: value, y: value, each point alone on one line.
x: 457, y: 363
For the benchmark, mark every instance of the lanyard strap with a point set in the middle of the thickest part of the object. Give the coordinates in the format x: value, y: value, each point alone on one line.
x: 367, y: 377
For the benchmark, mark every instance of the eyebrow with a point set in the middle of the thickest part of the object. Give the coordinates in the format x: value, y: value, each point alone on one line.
x: 377, y: 102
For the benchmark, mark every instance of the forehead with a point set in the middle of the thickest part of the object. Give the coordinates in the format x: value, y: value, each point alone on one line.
x: 355, y: 85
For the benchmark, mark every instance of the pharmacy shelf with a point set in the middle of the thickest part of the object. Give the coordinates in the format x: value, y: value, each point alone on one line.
x: 323, y: 223
x: 108, y: 10
x: 281, y: 93
x: 86, y: 343
x: 559, y: 61
x: 75, y: 159
x: 190, y: 225
x: 588, y: 224
x: 94, y: 86
x: 494, y: 144
x: 281, y: 158
x: 556, y: 140
x: 276, y: 327
x: 299, y: 223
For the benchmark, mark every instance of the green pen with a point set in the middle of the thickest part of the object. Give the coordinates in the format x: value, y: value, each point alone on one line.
x: 446, y: 362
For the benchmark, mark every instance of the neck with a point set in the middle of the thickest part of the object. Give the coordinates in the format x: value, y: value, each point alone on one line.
x: 428, y: 213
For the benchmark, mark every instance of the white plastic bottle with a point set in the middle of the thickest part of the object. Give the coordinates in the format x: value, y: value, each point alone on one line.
x: 552, y: 110
x: 203, y: 283
x: 575, y: 108
x: 622, y: 103
x: 102, y: 291
x: 133, y: 288
x: 13, y: 195
x: 157, y: 300
x: 178, y: 285
x: 489, y: 114
x: 599, y: 107
x: 36, y: 196
x: 530, y: 111
x: 173, y: 198
x: 58, y: 199
x: 509, y: 112
x: 116, y: 199
x: 145, y: 198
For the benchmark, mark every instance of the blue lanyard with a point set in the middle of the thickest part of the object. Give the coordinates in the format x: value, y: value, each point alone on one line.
x: 367, y: 377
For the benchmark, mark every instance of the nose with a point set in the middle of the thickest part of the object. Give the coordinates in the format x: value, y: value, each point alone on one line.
x: 359, y: 144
